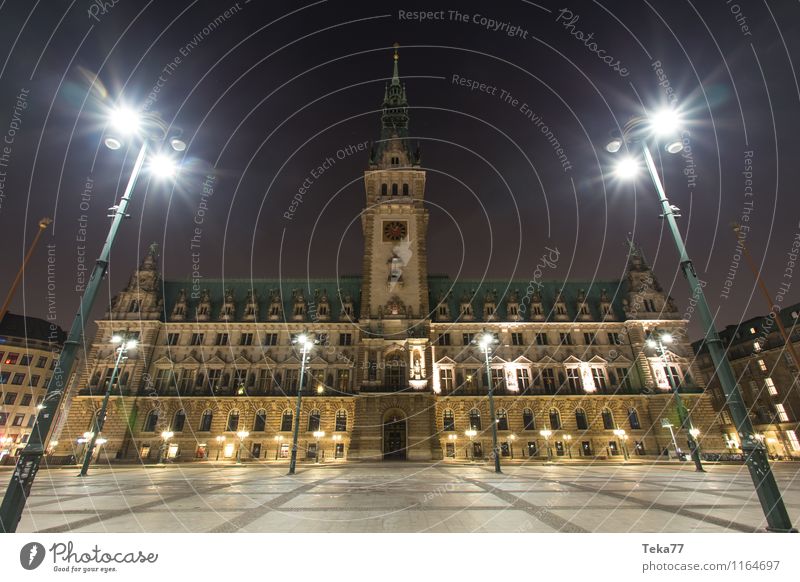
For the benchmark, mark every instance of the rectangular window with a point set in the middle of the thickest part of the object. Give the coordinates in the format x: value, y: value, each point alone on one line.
x: 26, y: 400
x: 549, y: 380
x: 443, y: 339
x: 18, y: 420
x: 599, y: 377
x: 4, y: 377
x: 18, y: 379
x: 574, y: 380
x: 614, y: 339
x: 34, y: 381
x: 290, y: 380
x: 498, y: 379
x: 541, y: 339
x: 446, y: 379
x: 41, y: 362
x: 450, y: 450
x: 793, y: 441
x: 343, y: 380
x: 762, y: 365
x: 10, y: 398
x: 770, y: 386
x: 271, y: 339
x: 523, y: 378
x: 222, y: 339
x: 12, y: 359
x: 566, y: 338
x: 3, y: 418
x: 26, y: 360
x: 466, y: 338
x: 264, y: 379
x: 623, y: 376
x: 246, y: 339
x: 173, y: 338
x: 781, y: 411
x: 588, y: 338
x: 197, y: 339
x: 345, y: 339
x: 31, y: 420
x: 214, y: 377
x: 516, y: 339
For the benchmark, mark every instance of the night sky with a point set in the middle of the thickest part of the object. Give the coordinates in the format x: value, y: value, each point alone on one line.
x: 265, y: 92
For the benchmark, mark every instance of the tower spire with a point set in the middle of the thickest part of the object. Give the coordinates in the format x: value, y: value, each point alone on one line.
x: 396, y: 73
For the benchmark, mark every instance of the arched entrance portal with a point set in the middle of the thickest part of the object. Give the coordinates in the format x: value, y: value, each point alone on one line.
x: 394, y: 435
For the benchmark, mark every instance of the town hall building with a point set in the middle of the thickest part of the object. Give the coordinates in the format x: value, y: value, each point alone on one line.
x: 395, y: 373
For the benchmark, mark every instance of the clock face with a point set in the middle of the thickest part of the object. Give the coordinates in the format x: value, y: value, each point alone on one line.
x: 394, y: 230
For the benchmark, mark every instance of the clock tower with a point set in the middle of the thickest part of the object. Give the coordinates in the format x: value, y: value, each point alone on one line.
x: 395, y: 221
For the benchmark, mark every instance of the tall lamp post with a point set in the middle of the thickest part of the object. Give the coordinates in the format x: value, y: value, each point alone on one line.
x: 547, y: 433
x: 220, y: 441
x: 305, y: 343
x: 318, y: 435
x: 242, y: 434
x: 620, y: 434
x: 568, y: 438
x: 637, y: 132
x: 123, y: 345
x: 150, y: 129
x: 486, y: 341
x: 470, y: 433
x: 657, y: 341
x: 162, y: 450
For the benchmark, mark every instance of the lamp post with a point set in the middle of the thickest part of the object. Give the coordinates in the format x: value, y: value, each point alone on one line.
x: 486, y: 341
x: 547, y: 433
x: 568, y: 438
x: 337, y: 439
x: 452, y: 438
x: 637, y: 132
x: 162, y: 450
x: 620, y: 434
x: 150, y: 128
x: 278, y: 441
x: 123, y: 345
x: 305, y: 343
x: 318, y: 435
x: 665, y: 423
x: 470, y: 433
x: 511, y: 438
x: 242, y: 434
x: 220, y: 441
x: 657, y: 340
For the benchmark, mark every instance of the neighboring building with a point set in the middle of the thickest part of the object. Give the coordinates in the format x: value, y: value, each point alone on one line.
x: 768, y: 379
x: 29, y: 349
x: 396, y: 375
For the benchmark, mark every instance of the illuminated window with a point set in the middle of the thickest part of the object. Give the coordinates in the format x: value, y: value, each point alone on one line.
x: 762, y: 365
x: 12, y: 359
x: 599, y: 377
x: 574, y: 380
x: 793, y: 442
x: 781, y: 411
x: 446, y: 379
x: 341, y: 421
x: 523, y: 378
x: 770, y: 386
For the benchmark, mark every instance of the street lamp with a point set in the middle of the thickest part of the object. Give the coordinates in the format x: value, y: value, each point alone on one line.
x: 123, y: 345
x: 305, y: 343
x: 278, y: 440
x: 242, y: 434
x: 637, y: 132
x: 657, y: 340
x: 337, y: 439
x: 149, y: 129
x: 220, y: 440
x: 665, y: 423
x: 486, y: 341
x: 547, y: 433
x: 620, y: 434
x: 318, y: 435
x: 162, y: 450
x: 471, y: 433
x: 568, y: 438
x: 511, y: 438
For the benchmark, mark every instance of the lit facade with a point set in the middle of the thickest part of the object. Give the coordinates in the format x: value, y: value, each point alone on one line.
x: 395, y: 374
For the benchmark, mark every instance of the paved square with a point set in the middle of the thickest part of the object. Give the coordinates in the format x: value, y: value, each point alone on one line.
x: 402, y: 497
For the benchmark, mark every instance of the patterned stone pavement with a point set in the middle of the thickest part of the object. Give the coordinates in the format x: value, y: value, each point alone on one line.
x: 402, y: 497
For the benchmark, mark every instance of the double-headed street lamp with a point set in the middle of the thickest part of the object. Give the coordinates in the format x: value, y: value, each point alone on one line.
x: 665, y: 125
x: 151, y: 130
x: 486, y: 341
x: 318, y: 435
x: 620, y: 434
x: 163, y: 450
x: 657, y: 340
x: 123, y: 345
x: 305, y: 343
x: 471, y: 433
x: 242, y: 434
x: 547, y: 433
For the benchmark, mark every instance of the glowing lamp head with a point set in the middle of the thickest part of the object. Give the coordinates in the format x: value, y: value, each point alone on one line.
x: 116, y: 339
x: 614, y: 145
x: 163, y: 166
x: 666, y: 338
x: 651, y: 343
x: 130, y: 344
x: 125, y: 120
x: 626, y: 168
x: 546, y: 433
x: 665, y: 122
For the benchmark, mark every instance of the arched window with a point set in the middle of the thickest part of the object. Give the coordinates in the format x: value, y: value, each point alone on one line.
x: 608, y: 419
x: 633, y: 419
x: 260, y: 423
x: 528, y: 422
x: 341, y: 421
x: 384, y: 189
x: 151, y: 421
x: 475, y: 419
x: 448, y: 420
x: 179, y: 420
x: 286, y: 421
x: 233, y: 421
x: 205, y: 421
x: 580, y: 419
x: 394, y: 189
x: 555, y: 419
x: 405, y: 189
x: 313, y: 421
x: 502, y: 419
